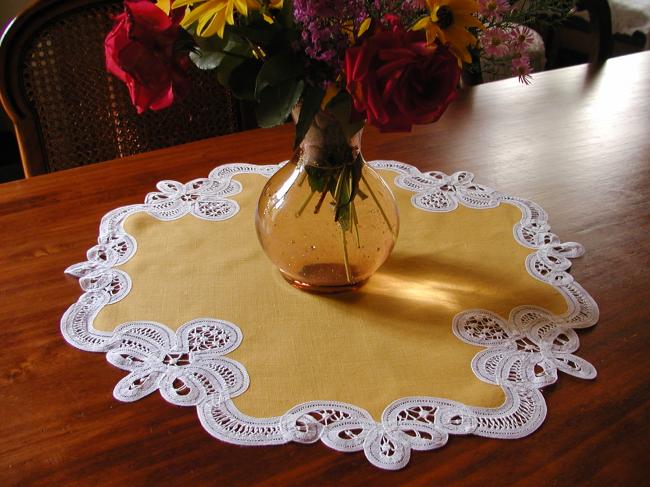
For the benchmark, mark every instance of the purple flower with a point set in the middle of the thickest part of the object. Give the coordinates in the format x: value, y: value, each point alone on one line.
x: 330, y: 27
x: 327, y: 26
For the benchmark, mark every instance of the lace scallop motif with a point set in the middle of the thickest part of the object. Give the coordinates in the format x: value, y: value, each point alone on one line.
x: 521, y: 353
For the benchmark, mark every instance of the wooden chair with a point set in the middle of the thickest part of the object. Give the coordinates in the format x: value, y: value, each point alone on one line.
x: 68, y: 111
x: 584, y: 38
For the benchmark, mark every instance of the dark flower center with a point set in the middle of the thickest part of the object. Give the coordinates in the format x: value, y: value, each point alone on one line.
x: 445, y: 17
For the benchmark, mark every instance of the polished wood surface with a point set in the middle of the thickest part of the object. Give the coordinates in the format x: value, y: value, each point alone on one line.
x: 575, y: 141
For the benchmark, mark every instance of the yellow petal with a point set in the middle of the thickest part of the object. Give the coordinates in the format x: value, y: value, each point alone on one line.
x: 195, y: 14
x: 183, y: 3
x: 242, y: 7
x: 332, y: 90
x: 267, y: 18
x: 211, y: 20
x: 348, y: 28
x: 422, y: 23
x: 468, y: 20
x: 462, y: 54
x: 190, y: 17
x: 216, y: 26
x: 459, y: 36
x: 436, y: 32
x: 230, y: 13
x: 164, y: 5
x: 365, y: 25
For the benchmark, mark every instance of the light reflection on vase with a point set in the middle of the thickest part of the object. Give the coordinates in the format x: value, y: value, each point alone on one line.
x: 317, y: 245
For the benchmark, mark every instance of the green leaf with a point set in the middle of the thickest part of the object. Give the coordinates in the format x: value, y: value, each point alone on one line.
x: 206, y: 59
x: 238, y: 46
x: 242, y: 79
x: 285, y: 15
x: 276, y: 102
x: 277, y: 69
x: 341, y: 108
x: 184, y: 41
x: 317, y: 178
x: 260, y: 32
x: 228, y: 64
x: 312, y: 98
x: 213, y: 43
x: 213, y: 53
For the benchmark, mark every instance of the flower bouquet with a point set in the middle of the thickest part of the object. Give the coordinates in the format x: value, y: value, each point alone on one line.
x: 334, y: 65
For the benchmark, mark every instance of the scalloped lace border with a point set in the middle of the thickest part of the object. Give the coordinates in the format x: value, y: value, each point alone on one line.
x: 521, y: 354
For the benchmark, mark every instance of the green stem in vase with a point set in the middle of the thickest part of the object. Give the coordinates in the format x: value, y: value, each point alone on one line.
x: 381, y: 209
x: 340, y: 183
x: 355, y: 223
x: 346, y: 259
x: 305, y: 203
x: 303, y: 176
x: 320, y: 202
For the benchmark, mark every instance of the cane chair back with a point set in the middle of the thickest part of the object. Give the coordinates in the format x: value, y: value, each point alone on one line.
x: 68, y: 111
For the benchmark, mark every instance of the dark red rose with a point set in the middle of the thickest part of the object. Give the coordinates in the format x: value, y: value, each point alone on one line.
x: 140, y: 52
x: 397, y: 80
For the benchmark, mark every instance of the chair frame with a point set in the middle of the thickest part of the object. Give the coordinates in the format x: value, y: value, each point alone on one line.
x: 12, y: 44
x: 600, y: 26
x: 600, y: 14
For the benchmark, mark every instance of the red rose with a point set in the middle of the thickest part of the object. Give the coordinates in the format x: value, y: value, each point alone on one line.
x: 398, y: 81
x: 140, y: 52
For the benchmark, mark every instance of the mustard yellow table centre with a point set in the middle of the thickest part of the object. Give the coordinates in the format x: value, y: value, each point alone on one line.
x: 471, y: 315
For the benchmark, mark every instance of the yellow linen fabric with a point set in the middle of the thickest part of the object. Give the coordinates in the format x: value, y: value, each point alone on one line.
x: 389, y: 340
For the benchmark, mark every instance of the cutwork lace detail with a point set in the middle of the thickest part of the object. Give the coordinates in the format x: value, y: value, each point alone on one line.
x: 187, y: 366
x: 521, y: 354
x: 435, y: 191
x: 203, y: 198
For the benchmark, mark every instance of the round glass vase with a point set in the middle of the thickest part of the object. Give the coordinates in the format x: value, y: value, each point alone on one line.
x: 326, y: 219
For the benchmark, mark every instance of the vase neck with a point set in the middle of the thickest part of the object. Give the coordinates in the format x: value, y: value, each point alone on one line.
x: 328, y: 143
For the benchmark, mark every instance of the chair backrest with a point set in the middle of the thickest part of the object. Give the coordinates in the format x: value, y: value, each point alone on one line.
x: 585, y: 37
x: 68, y: 111
x: 600, y: 16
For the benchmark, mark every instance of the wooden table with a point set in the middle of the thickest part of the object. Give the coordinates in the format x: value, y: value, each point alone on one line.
x: 575, y: 142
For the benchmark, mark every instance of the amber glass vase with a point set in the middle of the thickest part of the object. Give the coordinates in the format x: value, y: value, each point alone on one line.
x: 326, y: 219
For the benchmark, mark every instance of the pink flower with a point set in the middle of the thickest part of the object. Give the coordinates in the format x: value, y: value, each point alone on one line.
x: 520, y: 38
x: 493, y: 9
x: 522, y: 69
x: 495, y: 42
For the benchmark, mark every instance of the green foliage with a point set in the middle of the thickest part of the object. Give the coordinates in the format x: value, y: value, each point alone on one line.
x: 206, y: 59
x: 242, y: 79
x: 341, y: 108
x: 312, y: 97
x: 276, y: 70
x: 276, y: 102
x: 320, y: 181
x: 227, y: 66
x: 255, y: 61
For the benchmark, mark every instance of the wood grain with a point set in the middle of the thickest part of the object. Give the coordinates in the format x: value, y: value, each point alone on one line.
x: 575, y: 141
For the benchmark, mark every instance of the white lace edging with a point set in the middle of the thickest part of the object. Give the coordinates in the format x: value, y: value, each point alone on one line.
x: 521, y: 354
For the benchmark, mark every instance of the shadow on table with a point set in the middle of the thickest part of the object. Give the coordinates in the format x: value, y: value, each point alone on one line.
x: 421, y: 290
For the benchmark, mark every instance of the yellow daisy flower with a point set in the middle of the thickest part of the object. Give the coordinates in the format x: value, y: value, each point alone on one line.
x: 448, y: 20
x: 213, y: 15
